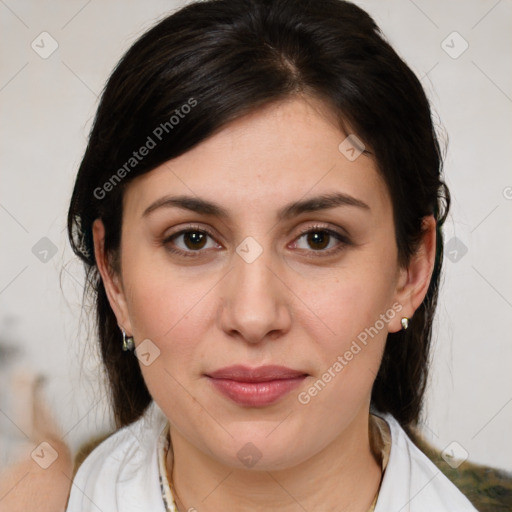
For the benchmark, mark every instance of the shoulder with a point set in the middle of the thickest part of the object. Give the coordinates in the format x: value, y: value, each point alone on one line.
x: 123, y: 469
x: 412, y: 482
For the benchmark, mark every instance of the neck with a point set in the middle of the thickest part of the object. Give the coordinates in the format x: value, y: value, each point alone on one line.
x: 344, y: 476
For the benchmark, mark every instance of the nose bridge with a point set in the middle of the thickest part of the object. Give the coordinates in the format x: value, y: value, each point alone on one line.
x: 252, y: 272
x: 254, y: 299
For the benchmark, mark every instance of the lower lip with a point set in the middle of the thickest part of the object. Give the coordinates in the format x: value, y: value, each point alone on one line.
x: 256, y: 394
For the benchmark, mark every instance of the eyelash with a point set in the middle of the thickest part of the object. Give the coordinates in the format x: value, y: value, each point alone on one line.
x: 344, y: 241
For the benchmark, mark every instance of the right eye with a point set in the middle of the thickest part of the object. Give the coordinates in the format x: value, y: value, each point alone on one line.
x: 186, y: 242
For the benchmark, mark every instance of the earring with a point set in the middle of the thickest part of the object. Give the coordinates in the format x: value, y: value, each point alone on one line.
x: 405, y: 323
x: 128, y: 343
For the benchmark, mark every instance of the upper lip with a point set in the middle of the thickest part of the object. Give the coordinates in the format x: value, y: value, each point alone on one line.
x: 261, y: 374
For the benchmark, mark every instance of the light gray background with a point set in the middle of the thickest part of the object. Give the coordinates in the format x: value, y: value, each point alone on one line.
x: 47, y: 106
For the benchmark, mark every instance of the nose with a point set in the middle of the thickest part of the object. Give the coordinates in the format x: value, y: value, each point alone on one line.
x: 255, y: 301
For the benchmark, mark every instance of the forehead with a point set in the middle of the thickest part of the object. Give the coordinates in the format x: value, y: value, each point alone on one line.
x: 257, y: 163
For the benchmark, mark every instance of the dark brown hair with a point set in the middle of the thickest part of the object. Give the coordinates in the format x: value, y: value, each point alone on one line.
x: 231, y: 57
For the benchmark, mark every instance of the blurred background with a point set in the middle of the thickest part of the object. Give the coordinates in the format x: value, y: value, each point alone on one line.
x: 57, y: 56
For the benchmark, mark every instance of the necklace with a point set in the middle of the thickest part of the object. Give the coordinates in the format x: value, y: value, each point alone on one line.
x: 177, y: 503
x: 169, y: 495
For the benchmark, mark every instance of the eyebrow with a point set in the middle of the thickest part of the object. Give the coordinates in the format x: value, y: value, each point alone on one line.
x: 198, y: 205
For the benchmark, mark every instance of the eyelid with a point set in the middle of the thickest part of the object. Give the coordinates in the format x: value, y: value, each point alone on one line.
x: 190, y: 227
x: 323, y: 227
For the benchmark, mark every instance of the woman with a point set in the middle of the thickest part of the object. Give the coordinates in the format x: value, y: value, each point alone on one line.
x: 259, y: 210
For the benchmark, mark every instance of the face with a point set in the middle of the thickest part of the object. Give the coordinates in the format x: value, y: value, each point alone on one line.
x: 252, y: 268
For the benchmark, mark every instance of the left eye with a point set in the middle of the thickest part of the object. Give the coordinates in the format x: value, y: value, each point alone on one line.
x: 319, y: 239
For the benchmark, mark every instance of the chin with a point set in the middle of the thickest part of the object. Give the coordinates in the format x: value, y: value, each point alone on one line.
x: 261, y: 447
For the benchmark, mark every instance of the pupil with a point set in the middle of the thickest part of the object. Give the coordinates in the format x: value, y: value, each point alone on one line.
x: 319, y: 237
x: 195, y: 238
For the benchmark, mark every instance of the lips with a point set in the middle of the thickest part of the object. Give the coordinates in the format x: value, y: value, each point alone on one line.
x: 261, y: 374
x: 255, y: 387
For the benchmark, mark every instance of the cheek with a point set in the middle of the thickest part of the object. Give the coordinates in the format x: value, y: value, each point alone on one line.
x: 350, y: 326
x: 349, y: 302
x: 172, y: 312
x: 159, y: 294
x: 356, y: 334
x: 174, y: 309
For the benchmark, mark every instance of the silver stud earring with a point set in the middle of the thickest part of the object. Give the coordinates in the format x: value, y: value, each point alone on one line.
x: 405, y: 323
x: 128, y: 343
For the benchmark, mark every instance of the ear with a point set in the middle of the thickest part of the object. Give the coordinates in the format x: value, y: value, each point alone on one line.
x: 111, y: 280
x: 413, y: 281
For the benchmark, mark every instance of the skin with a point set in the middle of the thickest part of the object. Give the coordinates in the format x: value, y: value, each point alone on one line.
x: 293, y: 305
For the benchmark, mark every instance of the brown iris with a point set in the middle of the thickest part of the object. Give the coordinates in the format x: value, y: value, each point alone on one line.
x: 318, y: 239
x: 196, y: 239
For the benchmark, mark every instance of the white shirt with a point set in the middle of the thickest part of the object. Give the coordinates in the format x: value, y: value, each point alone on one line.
x: 122, y: 475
